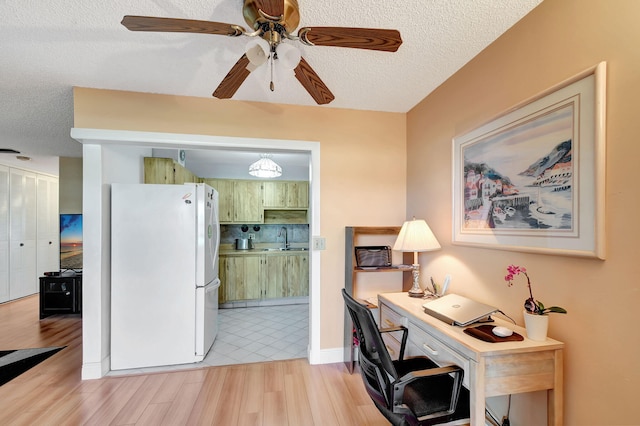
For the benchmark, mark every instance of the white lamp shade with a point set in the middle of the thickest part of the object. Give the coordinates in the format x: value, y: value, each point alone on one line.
x: 257, y: 51
x: 288, y: 56
x: 265, y: 167
x: 416, y: 236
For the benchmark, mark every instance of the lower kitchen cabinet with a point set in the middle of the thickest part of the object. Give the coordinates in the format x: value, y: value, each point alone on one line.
x: 297, y: 275
x: 273, y: 276
x: 242, y: 277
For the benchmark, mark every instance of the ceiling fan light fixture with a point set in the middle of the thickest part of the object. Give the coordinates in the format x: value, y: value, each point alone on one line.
x: 265, y: 167
x: 288, y: 56
x: 257, y: 51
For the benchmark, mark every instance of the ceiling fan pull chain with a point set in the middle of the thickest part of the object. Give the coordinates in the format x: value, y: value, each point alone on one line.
x: 271, y: 85
x: 272, y: 45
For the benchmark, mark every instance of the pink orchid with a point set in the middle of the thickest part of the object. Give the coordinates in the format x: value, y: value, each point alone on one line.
x: 531, y: 305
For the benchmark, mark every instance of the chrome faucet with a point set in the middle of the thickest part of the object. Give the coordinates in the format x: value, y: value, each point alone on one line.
x: 283, y: 232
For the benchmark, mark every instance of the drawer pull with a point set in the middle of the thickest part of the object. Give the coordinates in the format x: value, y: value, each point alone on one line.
x: 389, y: 323
x: 429, y: 349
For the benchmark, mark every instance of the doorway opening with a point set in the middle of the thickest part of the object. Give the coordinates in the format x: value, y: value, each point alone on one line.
x: 105, y: 153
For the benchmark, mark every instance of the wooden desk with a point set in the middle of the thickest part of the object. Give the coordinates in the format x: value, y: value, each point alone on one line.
x: 490, y: 369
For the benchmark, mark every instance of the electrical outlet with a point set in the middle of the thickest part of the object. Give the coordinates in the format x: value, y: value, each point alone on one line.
x: 252, y: 236
x: 318, y: 243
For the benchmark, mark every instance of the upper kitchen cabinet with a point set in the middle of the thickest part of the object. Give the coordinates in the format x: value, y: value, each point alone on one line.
x: 239, y: 201
x: 285, y: 194
x: 285, y: 201
x: 225, y: 197
x: 166, y: 171
x: 248, y: 201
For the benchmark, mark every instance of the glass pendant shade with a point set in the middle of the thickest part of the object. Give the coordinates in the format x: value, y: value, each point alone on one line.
x: 288, y: 56
x: 257, y: 51
x: 265, y: 167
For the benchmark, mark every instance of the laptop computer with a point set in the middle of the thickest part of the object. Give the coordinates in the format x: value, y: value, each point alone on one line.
x: 458, y: 310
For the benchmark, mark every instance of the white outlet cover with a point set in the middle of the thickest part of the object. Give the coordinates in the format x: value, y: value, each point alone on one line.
x: 319, y: 243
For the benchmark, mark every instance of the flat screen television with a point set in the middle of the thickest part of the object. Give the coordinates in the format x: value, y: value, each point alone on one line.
x: 71, y: 242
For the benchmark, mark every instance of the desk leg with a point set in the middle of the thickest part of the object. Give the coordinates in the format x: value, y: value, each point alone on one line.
x: 554, y: 396
x: 477, y: 392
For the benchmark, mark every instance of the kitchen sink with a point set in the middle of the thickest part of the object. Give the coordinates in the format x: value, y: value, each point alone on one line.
x: 286, y: 249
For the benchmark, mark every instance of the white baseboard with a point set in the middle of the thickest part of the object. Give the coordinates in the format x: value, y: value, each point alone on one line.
x: 326, y: 356
x: 95, y: 370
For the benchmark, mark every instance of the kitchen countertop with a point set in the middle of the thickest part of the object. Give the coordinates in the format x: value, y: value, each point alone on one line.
x: 264, y: 248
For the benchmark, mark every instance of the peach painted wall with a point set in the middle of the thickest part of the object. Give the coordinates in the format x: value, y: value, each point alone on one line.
x: 362, y: 161
x: 557, y: 40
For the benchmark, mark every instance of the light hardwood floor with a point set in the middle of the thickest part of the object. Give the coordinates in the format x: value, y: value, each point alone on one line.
x: 275, y: 393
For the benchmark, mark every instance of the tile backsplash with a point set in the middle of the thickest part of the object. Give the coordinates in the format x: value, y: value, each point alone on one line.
x: 264, y: 234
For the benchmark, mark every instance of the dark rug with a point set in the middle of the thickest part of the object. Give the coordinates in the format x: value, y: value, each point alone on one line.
x: 14, y: 363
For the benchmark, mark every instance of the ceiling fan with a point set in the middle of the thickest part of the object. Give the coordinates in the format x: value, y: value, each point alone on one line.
x: 274, y: 21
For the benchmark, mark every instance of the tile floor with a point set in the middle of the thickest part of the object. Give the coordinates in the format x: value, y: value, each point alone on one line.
x: 252, y: 334
x: 257, y: 334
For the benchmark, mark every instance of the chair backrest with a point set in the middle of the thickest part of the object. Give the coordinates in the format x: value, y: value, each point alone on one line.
x: 375, y: 362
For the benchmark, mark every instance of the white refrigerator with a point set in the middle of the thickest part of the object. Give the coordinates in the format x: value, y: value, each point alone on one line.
x: 164, y: 274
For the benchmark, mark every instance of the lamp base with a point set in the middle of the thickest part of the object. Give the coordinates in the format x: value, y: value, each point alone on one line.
x: 414, y: 293
x: 415, y: 290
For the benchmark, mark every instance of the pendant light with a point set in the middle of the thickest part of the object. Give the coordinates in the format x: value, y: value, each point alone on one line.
x: 265, y: 167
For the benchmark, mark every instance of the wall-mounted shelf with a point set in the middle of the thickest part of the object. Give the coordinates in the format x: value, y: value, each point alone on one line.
x: 352, y: 235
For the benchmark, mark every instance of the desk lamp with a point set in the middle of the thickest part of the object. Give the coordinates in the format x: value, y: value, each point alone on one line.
x: 416, y: 236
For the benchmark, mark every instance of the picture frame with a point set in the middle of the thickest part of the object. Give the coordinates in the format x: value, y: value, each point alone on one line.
x: 533, y: 179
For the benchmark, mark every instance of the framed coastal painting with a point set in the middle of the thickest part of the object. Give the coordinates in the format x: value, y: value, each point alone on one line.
x: 533, y: 179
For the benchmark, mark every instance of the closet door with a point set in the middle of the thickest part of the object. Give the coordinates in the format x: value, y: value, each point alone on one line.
x: 48, y: 235
x: 4, y: 234
x: 23, y: 278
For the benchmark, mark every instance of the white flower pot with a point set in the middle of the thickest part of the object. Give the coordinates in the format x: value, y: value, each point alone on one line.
x: 536, y: 325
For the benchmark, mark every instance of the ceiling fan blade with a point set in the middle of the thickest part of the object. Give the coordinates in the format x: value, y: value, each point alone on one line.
x: 358, y: 38
x: 271, y: 7
x: 173, y: 25
x: 312, y: 83
x: 233, y: 80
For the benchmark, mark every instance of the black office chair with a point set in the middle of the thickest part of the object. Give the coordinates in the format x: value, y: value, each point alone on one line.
x: 412, y: 391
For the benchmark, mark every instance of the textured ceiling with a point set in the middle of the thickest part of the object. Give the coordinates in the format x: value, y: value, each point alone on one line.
x: 47, y: 47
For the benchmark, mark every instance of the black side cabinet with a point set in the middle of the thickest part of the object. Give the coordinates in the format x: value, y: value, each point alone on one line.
x: 60, y: 295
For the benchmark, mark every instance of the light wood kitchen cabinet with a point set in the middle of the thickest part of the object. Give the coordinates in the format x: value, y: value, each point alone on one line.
x: 166, y: 171
x: 242, y: 277
x: 298, y: 194
x: 239, y: 201
x: 274, y: 276
x: 274, y: 194
x: 247, y: 201
x: 252, y: 201
x: 225, y: 197
x: 297, y: 275
x: 182, y: 175
x: 286, y: 275
x: 285, y: 194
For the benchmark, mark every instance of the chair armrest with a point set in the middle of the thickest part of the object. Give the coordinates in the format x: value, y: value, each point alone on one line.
x: 400, y: 384
x: 403, y: 343
x: 439, y: 371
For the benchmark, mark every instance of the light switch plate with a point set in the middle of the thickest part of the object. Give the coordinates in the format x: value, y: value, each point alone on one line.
x: 318, y: 243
